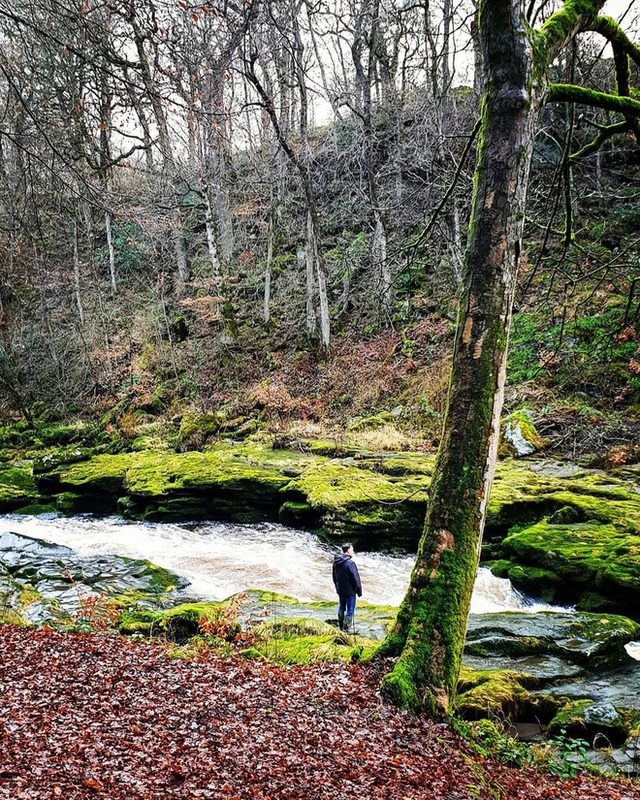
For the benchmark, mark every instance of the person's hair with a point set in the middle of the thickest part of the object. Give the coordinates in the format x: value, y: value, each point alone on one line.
x: 346, y: 547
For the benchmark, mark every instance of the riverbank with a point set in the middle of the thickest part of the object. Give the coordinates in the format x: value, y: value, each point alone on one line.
x: 133, y: 723
x: 560, y: 532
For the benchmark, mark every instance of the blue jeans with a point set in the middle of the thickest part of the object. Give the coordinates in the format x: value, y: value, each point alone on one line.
x: 347, y: 604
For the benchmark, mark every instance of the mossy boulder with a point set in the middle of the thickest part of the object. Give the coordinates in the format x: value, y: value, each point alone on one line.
x: 543, y: 584
x: 60, y: 456
x: 300, y: 641
x: 222, y: 483
x: 497, y: 693
x: 197, y: 429
x: 355, y: 500
x: 372, y: 423
x: 519, y: 436
x: 590, y: 558
x: 372, y: 621
x: 180, y: 623
x: 598, y: 723
x: 579, y: 529
x: 17, y: 488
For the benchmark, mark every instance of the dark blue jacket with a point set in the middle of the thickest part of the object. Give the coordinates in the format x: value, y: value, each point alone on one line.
x: 345, y: 576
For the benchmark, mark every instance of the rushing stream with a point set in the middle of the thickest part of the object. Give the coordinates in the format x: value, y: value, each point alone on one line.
x: 220, y: 559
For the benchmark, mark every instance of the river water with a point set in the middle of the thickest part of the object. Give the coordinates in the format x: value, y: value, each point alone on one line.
x: 220, y: 559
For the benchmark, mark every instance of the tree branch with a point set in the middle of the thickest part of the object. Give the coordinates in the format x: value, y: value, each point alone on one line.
x: 609, y: 28
x: 450, y: 189
x: 568, y: 93
x: 606, y: 132
x: 561, y: 27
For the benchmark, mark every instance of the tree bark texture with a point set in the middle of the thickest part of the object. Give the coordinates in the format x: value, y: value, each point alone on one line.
x: 431, y: 625
x: 430, y: 629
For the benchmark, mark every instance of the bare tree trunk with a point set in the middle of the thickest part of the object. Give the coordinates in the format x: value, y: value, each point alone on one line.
x: 211, y: 237
x: 180, y: 250
x: 367, y: 33
x: 112, y: 252
x: 310, y: 317
x: 77, y: 290
x: 384, y: 293
x: 266, y: 310
x: 455, y: 244
x: 219, y: 156
x: 316, y: 267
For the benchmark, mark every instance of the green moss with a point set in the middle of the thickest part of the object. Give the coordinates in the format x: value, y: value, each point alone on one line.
x: 297, y: 514
x: 17, y: 488
x: 561, y: 25
x: 301, y: 641
x: 399, y: 687
x: 60, y: 456
x: 177, y: 624
x: 10, y: 616
x: 372, y: 423
x: 513, y: 647
x: 568, y: 93
x: 355, y: 502
x: 518, y: 427
x: 338, y: 484
x: 197, y: 429
x: 570, y: 715
x: 501, y: 693
x: 34, y: 509
x: 543, y: 584
x: 586, y: 719
x: 28, y: 596
x: 70, y: 502
x: 592, y: 556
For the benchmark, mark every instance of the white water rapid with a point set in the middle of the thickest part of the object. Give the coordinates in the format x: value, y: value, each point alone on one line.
x: 220, y: 559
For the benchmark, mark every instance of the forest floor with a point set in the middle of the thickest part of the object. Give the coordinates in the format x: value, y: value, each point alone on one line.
x: 97, y: 716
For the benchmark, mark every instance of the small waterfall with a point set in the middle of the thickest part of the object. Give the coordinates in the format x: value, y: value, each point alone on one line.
x: 220, y: 559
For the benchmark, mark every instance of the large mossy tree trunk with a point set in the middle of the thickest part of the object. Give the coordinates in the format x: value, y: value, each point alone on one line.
x: 429, y: 632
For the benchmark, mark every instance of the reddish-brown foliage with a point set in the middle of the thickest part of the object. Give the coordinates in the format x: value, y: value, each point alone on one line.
x: 96, y: 716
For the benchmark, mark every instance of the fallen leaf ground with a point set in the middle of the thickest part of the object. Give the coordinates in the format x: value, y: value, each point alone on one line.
x: 96, y: 716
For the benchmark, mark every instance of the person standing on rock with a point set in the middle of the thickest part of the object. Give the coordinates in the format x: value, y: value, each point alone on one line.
x: 347, y: 582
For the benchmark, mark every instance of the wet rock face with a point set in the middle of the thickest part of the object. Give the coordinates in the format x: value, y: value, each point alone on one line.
x: 44, y: 582
x: 590, y: 640
x: 571, y: 671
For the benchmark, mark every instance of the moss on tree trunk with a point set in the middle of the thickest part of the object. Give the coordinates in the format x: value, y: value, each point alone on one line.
x: 429, y: 632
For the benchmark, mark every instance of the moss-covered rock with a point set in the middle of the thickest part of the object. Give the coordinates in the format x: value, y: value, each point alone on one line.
x: 588, y: 557
x: 497, y: 693
x: 222, y: 483
x: 598, y: 723
x: 543, y: 584
x: 17, y: 488
x: 47, y: 582
x: 353, y: 501
x: 519, y: 436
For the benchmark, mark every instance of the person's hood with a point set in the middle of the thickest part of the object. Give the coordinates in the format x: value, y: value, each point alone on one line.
x: 341, y: 558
